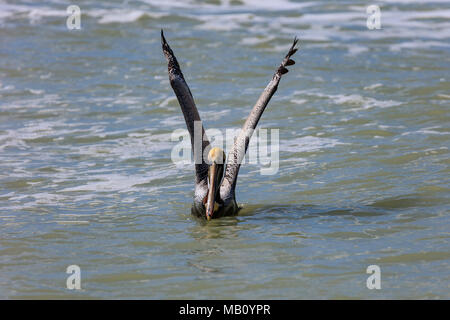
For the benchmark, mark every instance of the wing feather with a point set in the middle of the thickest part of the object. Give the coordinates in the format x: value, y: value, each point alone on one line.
x: 240, y: 146
x: 188, y: 107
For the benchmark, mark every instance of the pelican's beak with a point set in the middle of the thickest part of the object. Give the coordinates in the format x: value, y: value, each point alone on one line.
x: 215, y: 171
x: 213, y: 186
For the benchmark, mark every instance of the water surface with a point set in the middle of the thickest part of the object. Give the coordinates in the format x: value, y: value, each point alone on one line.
x: 86, y: 118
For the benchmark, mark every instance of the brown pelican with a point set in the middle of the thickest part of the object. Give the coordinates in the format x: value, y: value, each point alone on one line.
x: 214, y: 194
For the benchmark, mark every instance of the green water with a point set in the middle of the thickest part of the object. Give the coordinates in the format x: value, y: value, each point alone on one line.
x: 86, y: 177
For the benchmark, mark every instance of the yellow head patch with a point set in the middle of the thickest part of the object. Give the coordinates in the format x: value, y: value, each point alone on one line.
x: 216, y: 155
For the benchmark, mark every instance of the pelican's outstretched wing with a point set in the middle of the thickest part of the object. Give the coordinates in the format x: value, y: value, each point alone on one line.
x: 188, y: 107
x: 239, y: 149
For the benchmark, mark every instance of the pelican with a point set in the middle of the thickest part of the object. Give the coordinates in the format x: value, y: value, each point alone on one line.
x: 214, y: 194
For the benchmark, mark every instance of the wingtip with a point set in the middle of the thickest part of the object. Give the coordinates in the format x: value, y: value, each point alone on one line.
x: 165, y: 45
x: 163, y: 39
x: 294, y: 44
x: 287, y: 61
x: 293, y: 49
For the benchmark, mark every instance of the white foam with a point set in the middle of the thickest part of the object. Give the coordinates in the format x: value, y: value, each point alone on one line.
x: 426, y: 131
x: 123, y: 15
x: 119, y: 182
x: 299, y: 101
x: 166, y: 101
x: 432, y: 26
x: 417, y: 44
x: 308, y: 144
x: 373, y: 86
x: 33, y: 130
x: 357, y: 101
x: 226, y: 6
x: 354, y: 50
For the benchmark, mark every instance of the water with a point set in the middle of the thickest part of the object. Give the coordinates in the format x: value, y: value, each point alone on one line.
x: 86, y: 118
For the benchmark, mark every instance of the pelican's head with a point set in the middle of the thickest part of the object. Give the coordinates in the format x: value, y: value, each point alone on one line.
x: 216, y: 157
